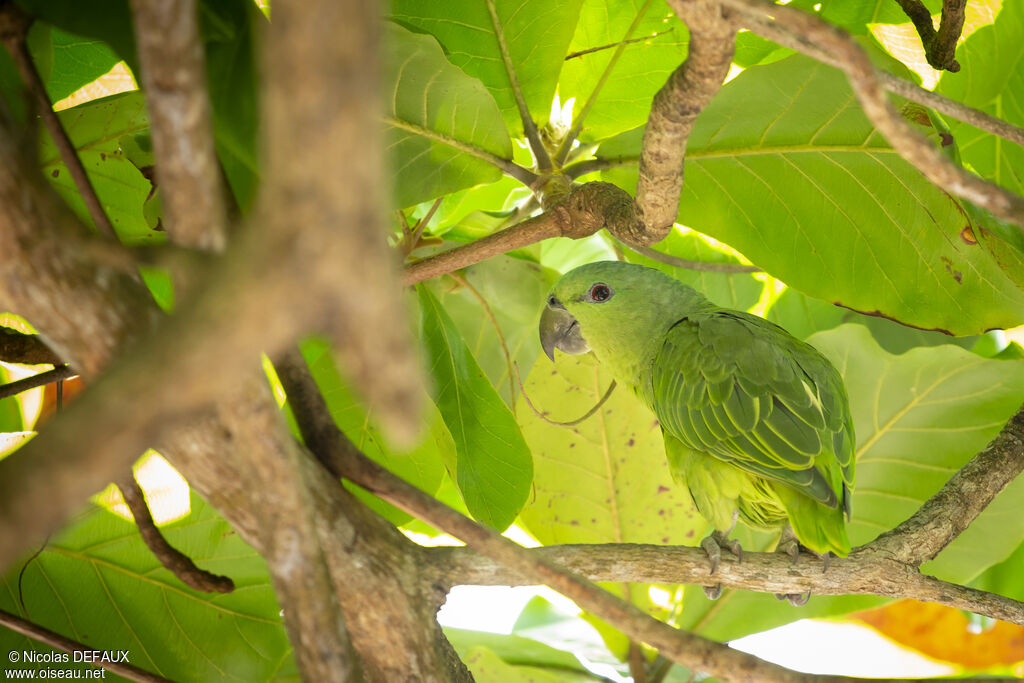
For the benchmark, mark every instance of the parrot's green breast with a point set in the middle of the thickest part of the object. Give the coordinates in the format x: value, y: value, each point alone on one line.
x: 756, y: 422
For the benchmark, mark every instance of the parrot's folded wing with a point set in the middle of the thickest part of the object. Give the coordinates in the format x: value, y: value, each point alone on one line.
x: 742, y: 389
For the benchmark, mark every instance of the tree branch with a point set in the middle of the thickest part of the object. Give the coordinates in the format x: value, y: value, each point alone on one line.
x: 180, y: 564
x: 675, y: 109
x: 59, y: 642
x: 911, y: 145
x: 39, y: 380
x: 587, y: 209
x: 14, y: 26
x: 27, y: 349
x: 990, y: 124
x: 174, y: 78
x: 939, y: 46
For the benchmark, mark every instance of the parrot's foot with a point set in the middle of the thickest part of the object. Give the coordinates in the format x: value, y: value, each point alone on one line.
x: 789, y: 545
x: 713, y: 545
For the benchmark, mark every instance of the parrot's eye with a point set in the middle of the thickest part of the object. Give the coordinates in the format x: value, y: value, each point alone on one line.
x: 600, y: 292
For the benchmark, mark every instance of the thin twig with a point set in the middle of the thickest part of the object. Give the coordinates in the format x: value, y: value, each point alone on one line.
x: 177, y: 562
x: 507, y: 166
x: 910, y: 144
x: 497, y: 329
x: 540, y: 152
x: 580, y: 53
x: 39, y: 380
x: 59, y: 642
x: 570, y: 423
x: 702, y: 266
x: 577, y: 125
x: 14, y: 26
x: 421, y: 224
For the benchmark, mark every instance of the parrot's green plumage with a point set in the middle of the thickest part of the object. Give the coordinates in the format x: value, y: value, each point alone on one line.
x: 755, y: 421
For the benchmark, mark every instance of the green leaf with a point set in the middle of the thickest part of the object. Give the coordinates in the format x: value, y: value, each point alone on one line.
x: 537, y: 35
x: 95, y: 129
x: 732, y: 290
x: 107, y: 20
x: 494, y: 467
x: 515, y: 291
x: 514, y: 650
x: 421, y: 466
x: 73, y: 60
x: 920, y: 417
x: 96, y: 582
x: 806, y: 189
x: 488, y: 667
x: 752, y: 49
x: 228, y: 30
x: 624, y: 101
x: 604, y: 480
x: 427, y: 95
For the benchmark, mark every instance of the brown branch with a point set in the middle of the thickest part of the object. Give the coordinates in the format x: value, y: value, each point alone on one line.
x: 177, y: 562
x: 587, y: 209
x: 14, y: 26
x: 342, y: 458
x: 911, y: 145
x: 939, y: 46
x: 174, y: 78
x: 990, y: 124
x: 59, y: 642
x: 674, y: 112
x: 39, y: 380
x: 26, y: 349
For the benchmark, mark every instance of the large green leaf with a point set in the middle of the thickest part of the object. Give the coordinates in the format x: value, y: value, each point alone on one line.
x: 95, y: 129
x: 920, y: 417
x: 66, y: 61
x: 624, y: 100
x: 537, y: 35
x: 97, y: 583
x: 514, y: 290
x: 604, y: 480
x: 515, y: 650
x: 427, y: 94
x: 806, y: 188
x: 422, y: 465
x: 108, y: 20
x: 494, y: 467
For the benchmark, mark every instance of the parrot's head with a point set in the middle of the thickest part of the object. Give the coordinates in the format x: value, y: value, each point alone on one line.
x: 599, y: 304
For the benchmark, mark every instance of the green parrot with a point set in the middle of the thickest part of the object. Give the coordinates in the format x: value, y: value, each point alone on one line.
x: 756, y: 422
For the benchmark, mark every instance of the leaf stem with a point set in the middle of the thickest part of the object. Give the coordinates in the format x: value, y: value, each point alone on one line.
x: 540, y: 152
x: 507, y: 166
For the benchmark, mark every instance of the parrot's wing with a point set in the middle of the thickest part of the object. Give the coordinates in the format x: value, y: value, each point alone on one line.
x: 742, y: 389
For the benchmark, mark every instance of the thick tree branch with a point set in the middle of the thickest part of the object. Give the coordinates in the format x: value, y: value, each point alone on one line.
x: 990, y: 124
x: 675, y: 109
x: 14, y: 26
x: 911, y: 145
x: 174, y: 78
x: 27, y: 349
x: 59, y: 642
x: 180, y: 564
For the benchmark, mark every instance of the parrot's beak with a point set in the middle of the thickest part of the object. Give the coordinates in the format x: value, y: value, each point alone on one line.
x: 559, y: 330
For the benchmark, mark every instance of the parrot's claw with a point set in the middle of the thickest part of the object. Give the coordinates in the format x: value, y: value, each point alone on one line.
x: 795, y: 599
x: 713, y: 545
